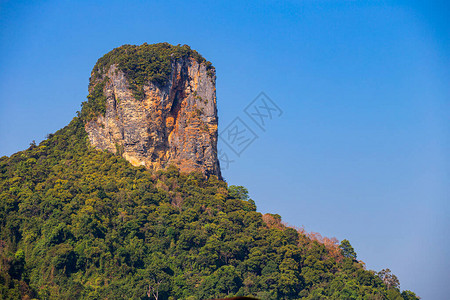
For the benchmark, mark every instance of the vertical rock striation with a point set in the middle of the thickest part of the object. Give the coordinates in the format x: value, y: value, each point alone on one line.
x: 155, y: 123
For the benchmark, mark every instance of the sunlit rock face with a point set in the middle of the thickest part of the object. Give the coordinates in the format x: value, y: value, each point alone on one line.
x: 172, y: 123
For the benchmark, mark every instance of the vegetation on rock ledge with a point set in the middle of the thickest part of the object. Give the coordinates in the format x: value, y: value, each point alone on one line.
x: 96, y: 104
x: 80, y: 223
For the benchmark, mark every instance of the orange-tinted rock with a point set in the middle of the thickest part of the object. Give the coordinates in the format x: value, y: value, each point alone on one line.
x: 174, y: 123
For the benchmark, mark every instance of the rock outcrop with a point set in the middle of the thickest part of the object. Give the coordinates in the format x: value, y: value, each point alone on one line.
x: 172, y: 121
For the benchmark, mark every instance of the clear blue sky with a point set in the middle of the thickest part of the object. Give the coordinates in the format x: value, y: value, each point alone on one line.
x: 362, y: 148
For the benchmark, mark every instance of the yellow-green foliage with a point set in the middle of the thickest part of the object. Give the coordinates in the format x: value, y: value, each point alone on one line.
x: 80, y: 223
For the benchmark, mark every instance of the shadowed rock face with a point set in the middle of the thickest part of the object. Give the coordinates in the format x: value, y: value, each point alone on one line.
x: 174, y: 123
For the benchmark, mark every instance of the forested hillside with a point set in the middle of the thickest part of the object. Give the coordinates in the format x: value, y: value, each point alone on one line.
x: 76, y: 222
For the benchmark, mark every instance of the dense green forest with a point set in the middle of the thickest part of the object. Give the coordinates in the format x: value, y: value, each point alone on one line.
x: 76, y: 222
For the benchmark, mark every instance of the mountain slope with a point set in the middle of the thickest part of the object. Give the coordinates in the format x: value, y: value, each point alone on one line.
x: 89, y: 224
x: 78, y: 222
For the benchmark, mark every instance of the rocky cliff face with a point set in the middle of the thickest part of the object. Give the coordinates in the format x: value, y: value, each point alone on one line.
x: 170, y: 123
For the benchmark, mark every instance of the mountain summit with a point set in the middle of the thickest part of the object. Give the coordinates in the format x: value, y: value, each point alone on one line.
x: 155, y: 105
x: 80, y: 223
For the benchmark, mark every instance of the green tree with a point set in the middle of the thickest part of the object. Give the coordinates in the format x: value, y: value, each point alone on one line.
x: 238, y: 192
x: 18, y: 264
x: 408, y: 295
x: 347, y: 249
x: 390, y: 280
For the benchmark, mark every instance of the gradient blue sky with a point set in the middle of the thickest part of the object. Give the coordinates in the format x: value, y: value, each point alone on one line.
x: 361, y: 151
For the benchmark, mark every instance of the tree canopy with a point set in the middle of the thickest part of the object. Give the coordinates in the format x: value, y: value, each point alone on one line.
x: 76, y: 222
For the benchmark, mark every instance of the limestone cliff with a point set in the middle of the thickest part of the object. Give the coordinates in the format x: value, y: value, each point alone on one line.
x: 155, y: 118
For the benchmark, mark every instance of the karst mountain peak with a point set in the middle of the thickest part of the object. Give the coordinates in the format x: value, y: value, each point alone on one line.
x: 155, y: 105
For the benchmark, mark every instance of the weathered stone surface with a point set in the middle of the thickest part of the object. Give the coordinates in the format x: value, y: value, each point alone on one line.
x: 173, y: 124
